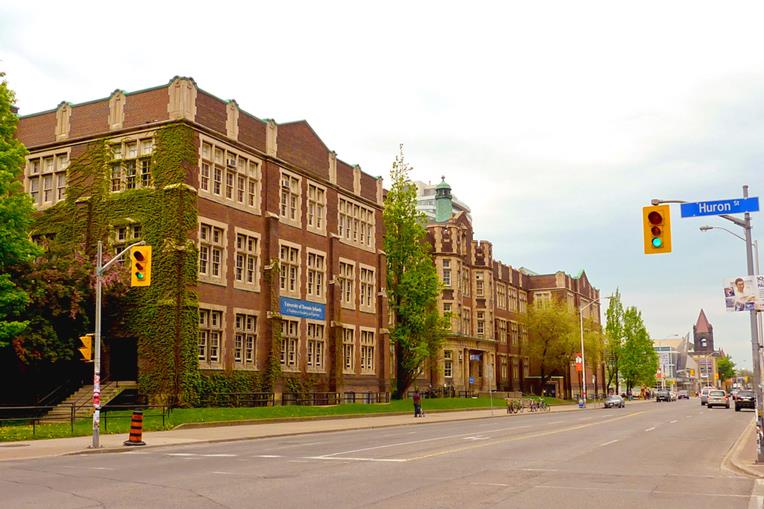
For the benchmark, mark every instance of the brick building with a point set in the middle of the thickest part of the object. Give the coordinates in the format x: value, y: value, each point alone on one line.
x: 488, y: 300
x: 266, y: 195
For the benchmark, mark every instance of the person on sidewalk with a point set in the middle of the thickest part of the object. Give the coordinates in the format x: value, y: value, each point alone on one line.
x: 417, y: 398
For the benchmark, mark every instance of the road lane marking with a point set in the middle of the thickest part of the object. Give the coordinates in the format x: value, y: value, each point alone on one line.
x: 523, y: 437
x: 476, y: 437
x: 641, y: 490
x: 380, y: 460
x: 267, y: 456
x: 502, y: 485
x: 650, y: 429
x: 673, y: 422
x: 181, y: 454
x: 608, y: 443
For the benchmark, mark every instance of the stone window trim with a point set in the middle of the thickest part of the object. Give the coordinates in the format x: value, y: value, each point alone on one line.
x: 319, y: 214
x: 256, y: 314
x: 368, y: 350
x: 290, y: 356
x: 313, y: 366
x: 221, y: 280
x: 252, y: 174
x: 321, y: 297
x: 296, y: 293
x: 290, y: 189
x: 35, y: 173
x: 347, y: 301
x: 240, y: 285
x: 349, y: 341
x: 220, y: 363
x: 363, y: 305
x: 138, y: 175
x: 358, y: 230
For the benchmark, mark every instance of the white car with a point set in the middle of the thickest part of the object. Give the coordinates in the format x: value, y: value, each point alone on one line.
x: 717, y: 397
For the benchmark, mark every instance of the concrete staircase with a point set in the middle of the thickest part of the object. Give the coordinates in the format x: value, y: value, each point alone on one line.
x: 82, y: 402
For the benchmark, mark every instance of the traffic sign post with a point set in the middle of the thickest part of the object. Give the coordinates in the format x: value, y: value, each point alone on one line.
x: 720, y: 207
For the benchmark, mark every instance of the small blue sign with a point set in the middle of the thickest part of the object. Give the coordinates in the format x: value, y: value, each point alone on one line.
x: 472, y: 380
x: 302, y: 308
x: 719, y: 207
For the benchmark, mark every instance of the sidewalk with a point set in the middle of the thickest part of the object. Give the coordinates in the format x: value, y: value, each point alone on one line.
x: 229, y: 431
x: 742, y: 455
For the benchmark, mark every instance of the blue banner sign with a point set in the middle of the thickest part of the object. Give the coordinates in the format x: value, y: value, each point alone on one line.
x: 302, y: 308
x: 719, y: 207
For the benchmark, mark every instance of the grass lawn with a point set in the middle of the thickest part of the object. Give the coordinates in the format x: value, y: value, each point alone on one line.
x: 119, y: 421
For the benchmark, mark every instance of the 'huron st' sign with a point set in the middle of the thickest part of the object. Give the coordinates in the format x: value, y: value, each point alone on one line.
x: 718, y: 207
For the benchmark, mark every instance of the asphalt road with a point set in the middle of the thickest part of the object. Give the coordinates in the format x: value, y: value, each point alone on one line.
x: 651, y: 455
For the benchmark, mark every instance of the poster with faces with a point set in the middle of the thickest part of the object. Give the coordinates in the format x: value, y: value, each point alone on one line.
x: 744, y: 293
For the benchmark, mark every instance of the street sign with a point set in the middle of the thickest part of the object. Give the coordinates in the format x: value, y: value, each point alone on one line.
x: 718, y: 207
x: 472, y: 380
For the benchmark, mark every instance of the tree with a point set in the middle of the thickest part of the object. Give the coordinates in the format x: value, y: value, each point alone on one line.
x: 412, y: 281
x: 613, y: 339
x: 552, y: 331
x: 15, y: 217
x: 725, y: 367
x: 639, y: 360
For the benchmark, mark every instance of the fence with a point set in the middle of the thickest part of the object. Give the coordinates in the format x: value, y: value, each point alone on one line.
x: 334, y: 398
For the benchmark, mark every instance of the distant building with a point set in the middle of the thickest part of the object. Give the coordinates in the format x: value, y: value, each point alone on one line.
x: 703, y: 355
x: 426, y: 200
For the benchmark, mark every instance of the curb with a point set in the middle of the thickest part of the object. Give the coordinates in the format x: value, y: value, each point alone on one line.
x: 731, y: 459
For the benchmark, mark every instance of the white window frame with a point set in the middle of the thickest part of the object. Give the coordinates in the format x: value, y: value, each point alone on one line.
x: 367, y: 288
x: 248, y: 257
x: 290, y: 269
x: 346, y: 283
x: 245, y: 325
x: 229, y: 176
x: 207, y: 249
x: 315, y: 347
x: 212, y: 326
x: 316, y: 208
x: 348, y: 350
x: 367, y: 341
x: 315, y: 279
x: 290, y: 198
x: 290, y: 344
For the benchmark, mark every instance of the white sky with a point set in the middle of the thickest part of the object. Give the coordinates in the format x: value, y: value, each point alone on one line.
x: 554, y: 121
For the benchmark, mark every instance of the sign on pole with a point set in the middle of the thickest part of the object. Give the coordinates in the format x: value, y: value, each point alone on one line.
x: 719, y: 207
x: 744, y: 293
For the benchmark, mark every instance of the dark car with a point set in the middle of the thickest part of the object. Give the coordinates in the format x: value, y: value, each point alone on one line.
x: 663, y: 396
x: 614, y: 401
x: 745, y: 399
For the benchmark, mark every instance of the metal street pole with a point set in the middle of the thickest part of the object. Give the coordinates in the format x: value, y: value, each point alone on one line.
x: 100, y: 269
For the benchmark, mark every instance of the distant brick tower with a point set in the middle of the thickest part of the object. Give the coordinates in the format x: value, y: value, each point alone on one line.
x: 703, y: 335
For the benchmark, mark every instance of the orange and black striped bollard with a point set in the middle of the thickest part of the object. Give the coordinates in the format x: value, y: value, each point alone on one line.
x: 136, y: 429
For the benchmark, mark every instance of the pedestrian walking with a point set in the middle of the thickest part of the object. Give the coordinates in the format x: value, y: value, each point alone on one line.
x: 417, y: 398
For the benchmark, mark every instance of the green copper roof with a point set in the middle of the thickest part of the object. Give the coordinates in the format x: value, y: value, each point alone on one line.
x: 443, y: 184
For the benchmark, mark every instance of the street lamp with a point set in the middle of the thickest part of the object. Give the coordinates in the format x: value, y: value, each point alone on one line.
x: 583, y: 354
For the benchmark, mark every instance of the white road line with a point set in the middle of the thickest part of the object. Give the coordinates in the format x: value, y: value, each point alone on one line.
x: 381, y: 460
x: 491, y: 484
x: 100, y: 468
x: 181, y: 454
x: 218, y: 455
x: 650, y: 429
x: 673, y: 422
x: 224, y: 473
x: 539, y: 469
x: 267, y: 456
x: 638, y: 490
x: 608, y: 443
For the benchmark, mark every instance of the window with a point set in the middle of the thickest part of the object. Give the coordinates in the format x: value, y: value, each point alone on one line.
x: 480, y: 324
x: 355, y: 223
x: 210, y: 335
x: 502, y: 326
x: 246, y: 270
x: 447, y: 273
x: 542, y: 299
x: 513, y: 334
x: 347, y: 278
x: 124, y: 233
x: 466, y: 321
x: 466, y: 281
x: 315, y: 345
x: 316, y: 275
x: 290, y: 197
x: 503, y: 370
x: 523, y: 302
x: 290, y: 263
x: 217, y: 180
x: 46, y: 178
x: 516, y: 369
x: 513, y: 299
x: 230, y: 179
x: 204, y: 176
x: 316, y: 207
x: 367, y: 351
x: 448, y: 364
x: 501, y: 296
x: 367, y: 287
x: 212, y: 244
x: 289, y: 343
x: 131, y: 167
x: 245, y: 330
x: 348, y: 350
x: 523, y: 338
x: 479, y: 285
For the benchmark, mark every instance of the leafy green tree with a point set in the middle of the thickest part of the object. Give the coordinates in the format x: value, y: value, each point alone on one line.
x: 639, y: 360
x: 412, y: 281
x: 613, y: 339
x: 725, y: 367
x: 552, y: 338
x: 15, y: 217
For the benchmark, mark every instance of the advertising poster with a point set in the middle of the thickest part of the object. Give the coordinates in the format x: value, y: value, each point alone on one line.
x: 744, y: 293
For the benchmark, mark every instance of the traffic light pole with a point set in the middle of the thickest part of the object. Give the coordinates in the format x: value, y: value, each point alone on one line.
x: 99, y: 272
x: 755, y: 345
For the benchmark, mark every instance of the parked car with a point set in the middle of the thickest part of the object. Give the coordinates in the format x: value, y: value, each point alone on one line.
x: 615, y: 401
x: 745, y: 399
x: 704, y: 395
x: 662, y: 395
x: 683, y: 395
x: 717, y: 397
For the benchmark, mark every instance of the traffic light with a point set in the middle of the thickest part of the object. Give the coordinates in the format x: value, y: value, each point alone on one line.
x: 140, y: 266
x: 656, y: 221
x: 86, y: 350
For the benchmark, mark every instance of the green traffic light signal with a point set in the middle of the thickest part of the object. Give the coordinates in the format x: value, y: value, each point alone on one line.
x: 657, y: 242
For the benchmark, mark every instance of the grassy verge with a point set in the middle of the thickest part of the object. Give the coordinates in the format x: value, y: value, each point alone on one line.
x: 119, y: 421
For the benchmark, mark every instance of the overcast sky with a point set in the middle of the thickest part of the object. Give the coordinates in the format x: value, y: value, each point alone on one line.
x: 554, y: 121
